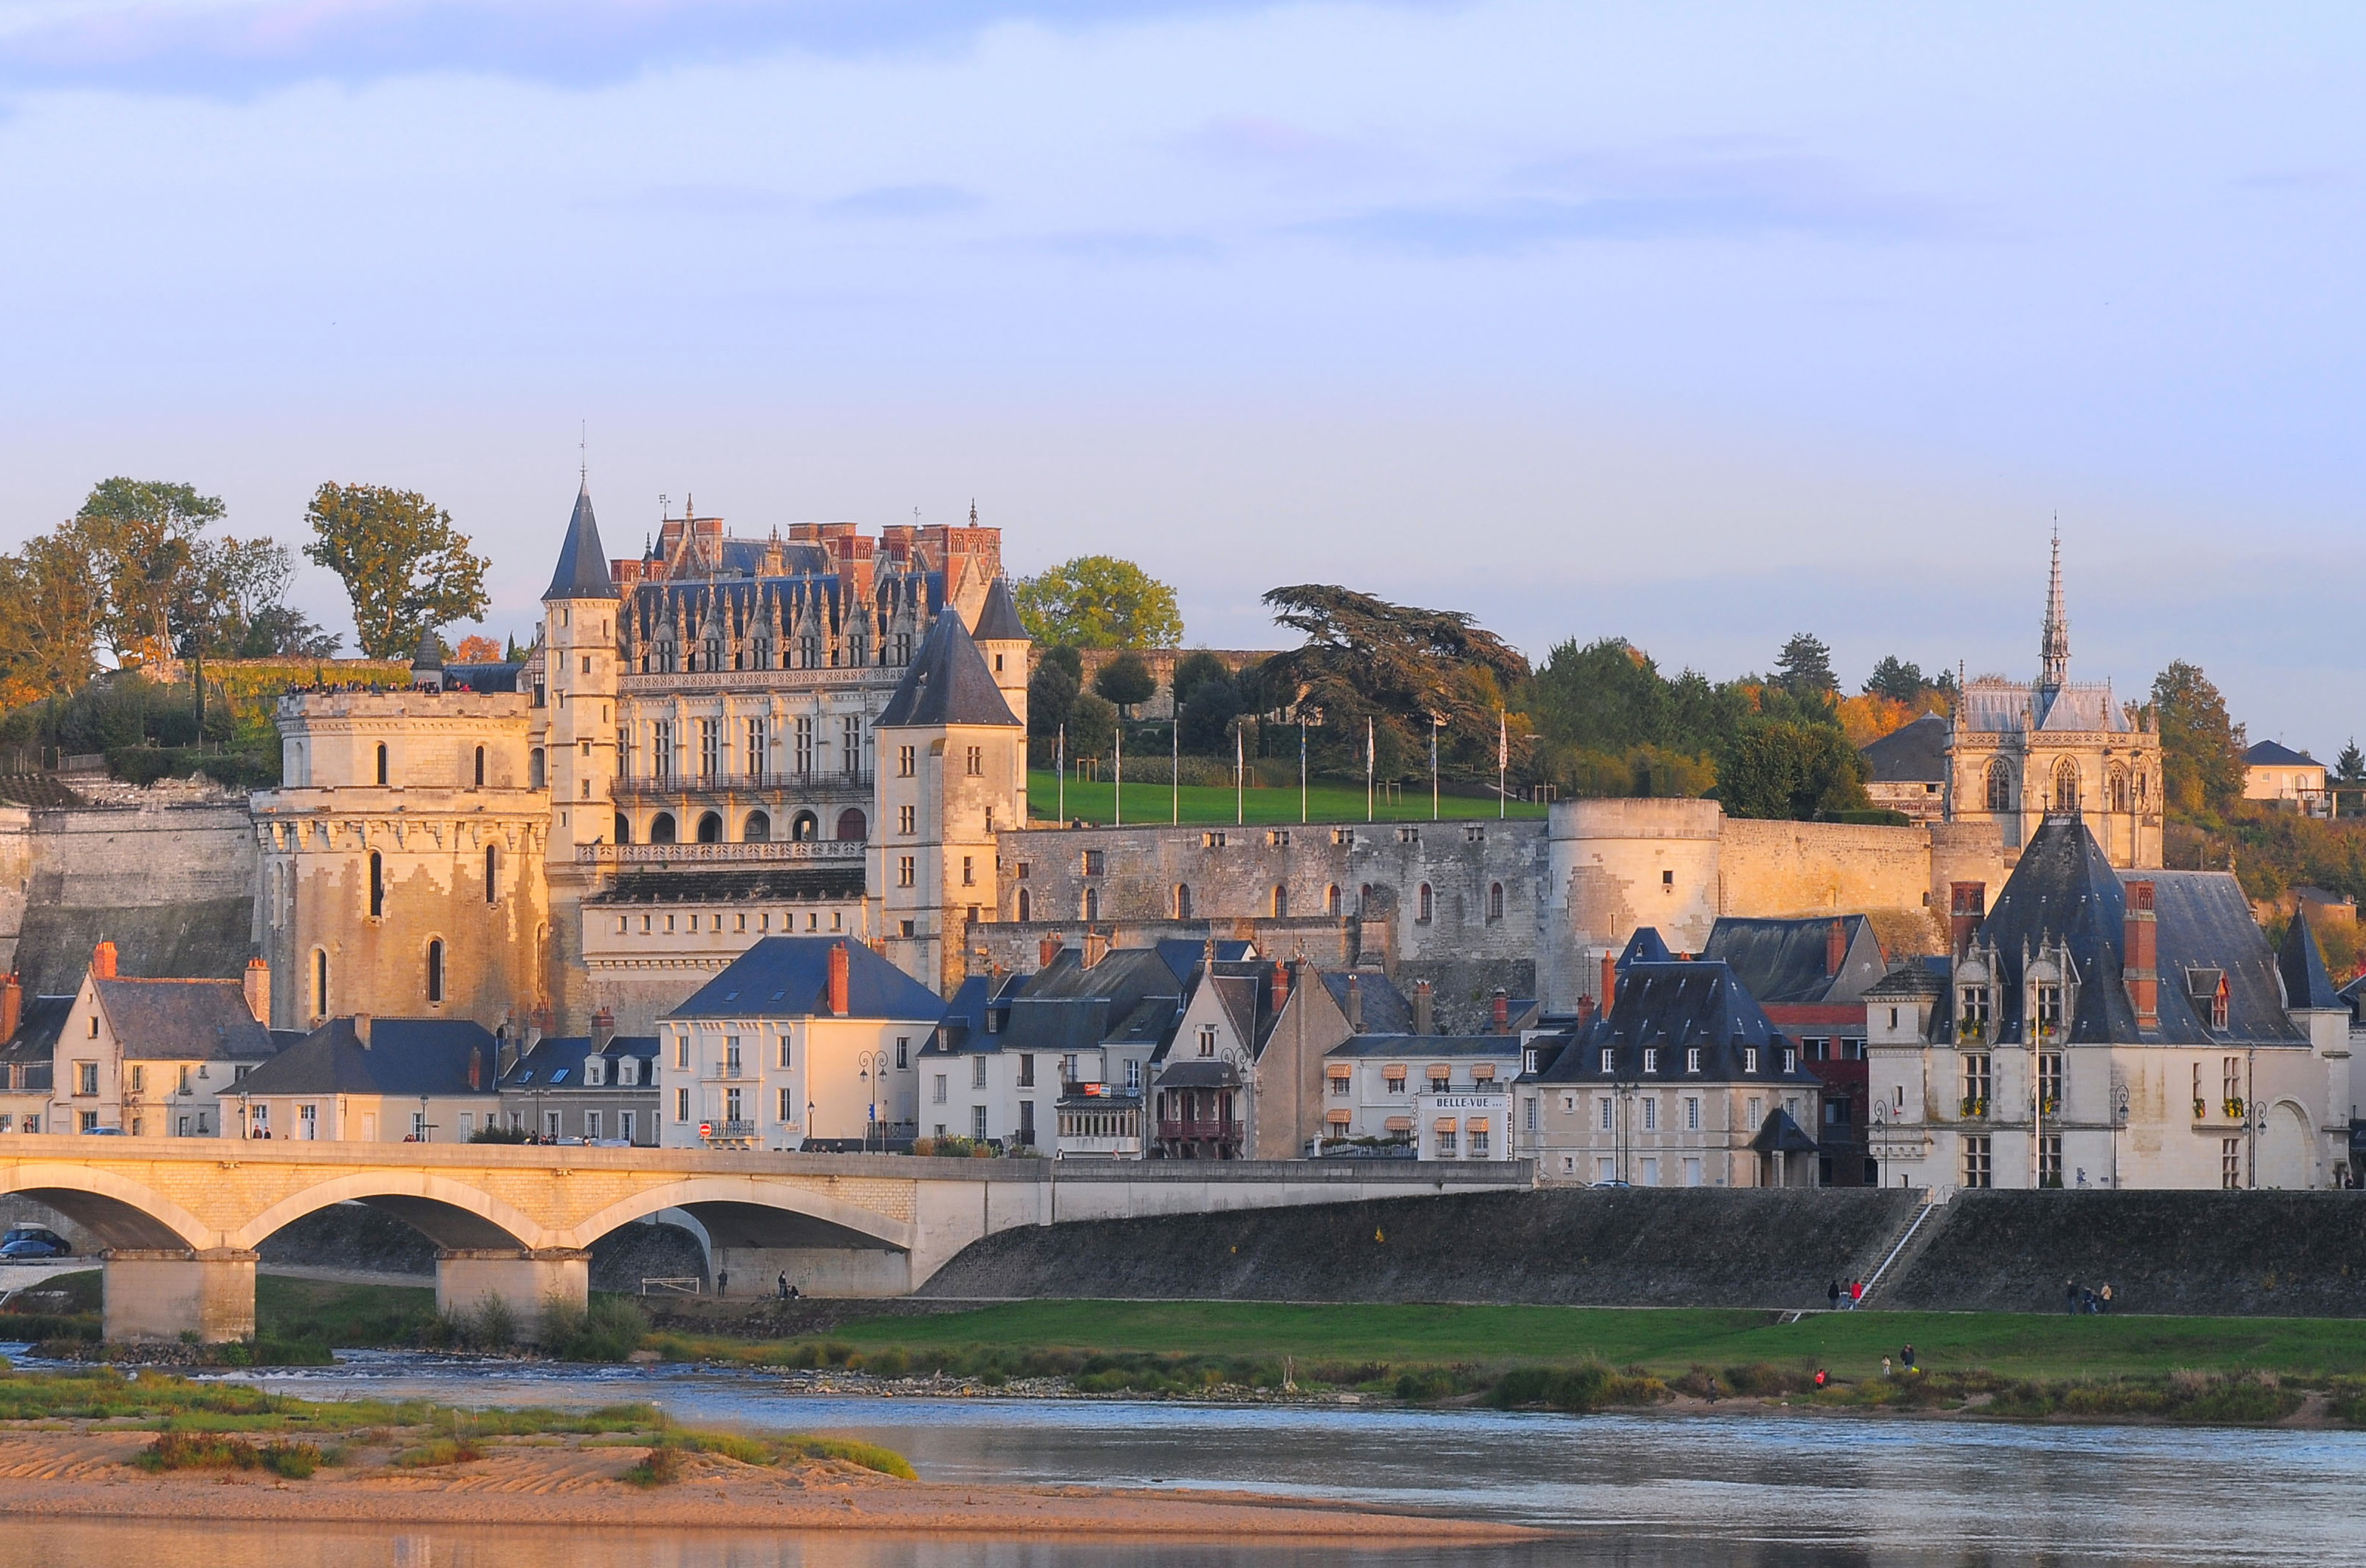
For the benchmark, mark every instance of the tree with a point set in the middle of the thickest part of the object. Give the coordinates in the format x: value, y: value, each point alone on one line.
x: 1208, y: 700
x: 1804, y: 666
x: 56, y: 607
x: 477, y: 650
x: 1394, y: 666
x: 1785, y: 768
x: 1126, y: 681
x: 1098, y: 601
x: 141, y: 537
x: 1895, y: 678
x: 2201, y: 747
x: 1091, y: 724
x: 406, y: 569
x: 1051, y: 700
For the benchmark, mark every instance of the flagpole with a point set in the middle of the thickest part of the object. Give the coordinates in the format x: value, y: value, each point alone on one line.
x: 1368, y: 769
x: 1433, y: 767
x: 1240, y: 778
x: 1117, y: 798
x: 1175, y: 765
x: 1060, y: 764
x: 1502, y: 756
x: 1302, y: 769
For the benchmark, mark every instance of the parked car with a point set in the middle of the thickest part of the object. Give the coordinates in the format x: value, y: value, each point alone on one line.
x: 32, y: 1241
x: 103, y: 1133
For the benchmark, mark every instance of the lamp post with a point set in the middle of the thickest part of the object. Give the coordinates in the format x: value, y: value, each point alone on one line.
x: 1880, y: 1143
x: 874, y: 1065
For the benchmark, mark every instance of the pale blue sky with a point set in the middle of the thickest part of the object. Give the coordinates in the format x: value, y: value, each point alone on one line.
x: 1699, y: 324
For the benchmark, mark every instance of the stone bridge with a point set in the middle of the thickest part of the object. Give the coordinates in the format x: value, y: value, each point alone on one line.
x: 179, y: 1219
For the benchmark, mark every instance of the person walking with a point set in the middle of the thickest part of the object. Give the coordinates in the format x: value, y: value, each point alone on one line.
x: 722, y: 1282
x: 1832, y: 1294
x: 781, y: 1286
x: 1885, y: 1368
x: 1856, y: 1294
x: 2070, y: 1296
x: 2107, y: 1296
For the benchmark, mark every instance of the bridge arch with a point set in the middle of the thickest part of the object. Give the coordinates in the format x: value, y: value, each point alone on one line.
x: 451, y: 1214
x: 748, y: 1212
x: 119, y: 1211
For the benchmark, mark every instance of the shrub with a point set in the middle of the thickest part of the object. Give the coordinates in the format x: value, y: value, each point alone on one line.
x: 1592, y: 1386
x: 869, y: 1456
x: 222, y: 1450
x: 1764, y: 1378
x: 439, y: 1451
x: 609, y: 1329
x: 661, y: 1467
x: 887, y: 1363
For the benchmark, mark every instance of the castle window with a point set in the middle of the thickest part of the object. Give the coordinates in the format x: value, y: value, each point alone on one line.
x: 710, y: 748
x: 1182, y: 900
x: 759, y: 746
x: 710, y: 828
x: 907, y: 819
x: 623, y: 829
x: 974, y: 763
x: 435, y: 972
x: 492, y: 874
x: 2119, y: 789
x: 851, y: 744
x: 320, y: 982
x: 904, y: 762
x: 1426, y: 905
x: 662, y: 828
x: 759, y: 828
x: 480, y: 767
x: 381, y: 764
x: 1331, y: 899
x: 2000, y: 785
x: 1026, y: 906
x: 2065, y: 786
x: 905, y: 871
x: 1494, y: 900
x: 804, y: 828
x: 1281, y: 903
x: 805, y: 745
x: 852, y: 825
x: 1092, y: 909
x: 534, y: 768
x: 376, y: 886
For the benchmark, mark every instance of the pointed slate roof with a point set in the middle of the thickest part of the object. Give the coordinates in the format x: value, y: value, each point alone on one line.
x: 2306, y: 983
x: 430, y: 652
x: 998, y: 621
x: 947, y: 683
x: 1674, y: 1008
x: 582, y: 564
x: 1646, y: 946
x: 1782, y: 960
x: 1916, y: 753
x: 788, y: 977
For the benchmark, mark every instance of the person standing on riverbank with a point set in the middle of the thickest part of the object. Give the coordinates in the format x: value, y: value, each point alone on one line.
x: 2070, y: 1297
x: 1832, y: 1294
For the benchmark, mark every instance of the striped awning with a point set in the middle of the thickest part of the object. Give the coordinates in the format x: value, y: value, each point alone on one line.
x: 1339, y: 1118
x: 1400, y: 1123
x: 1445, y: 1124
x: 1476, y: 1124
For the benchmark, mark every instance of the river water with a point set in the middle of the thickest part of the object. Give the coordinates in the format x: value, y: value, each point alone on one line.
x: 1631, y: 1490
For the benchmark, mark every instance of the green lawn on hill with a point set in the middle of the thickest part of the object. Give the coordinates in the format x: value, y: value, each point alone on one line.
x: 1664, y: 1340
x: 1150, y: 805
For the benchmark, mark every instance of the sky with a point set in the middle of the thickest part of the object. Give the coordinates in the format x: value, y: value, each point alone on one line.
x: 1698, y: 324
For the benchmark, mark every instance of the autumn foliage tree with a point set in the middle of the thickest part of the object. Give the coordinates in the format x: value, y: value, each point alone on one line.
x: 1098, y: 601
x: 406, y: 569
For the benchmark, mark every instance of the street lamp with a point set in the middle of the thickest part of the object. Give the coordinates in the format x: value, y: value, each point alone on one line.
x: 874, y: 1070
x: 1880, y: 1143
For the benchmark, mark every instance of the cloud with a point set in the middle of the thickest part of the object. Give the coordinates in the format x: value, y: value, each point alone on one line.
x: 239, y: 48
x: 892, y: 202
x: 1705, y: 191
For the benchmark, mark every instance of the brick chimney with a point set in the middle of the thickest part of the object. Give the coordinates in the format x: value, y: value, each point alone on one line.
x: 603, y: 1029
x: 1502, y: 1011
x: 102, y: 961
x: 1609, y: 979
x: 1967, y: 905
x: 838, y: 978
x: 1281, y: 987
x: 12, y: 1005
x: 1421, y: 1007
x: 362, y: 1029
x: 1095, y: 948
x: 1047, y: 949
x: 258, y: 990
x: 1835, y: 946
x: 476, y: 1068
x: 2139, y: 955
x: 1354, y: 1004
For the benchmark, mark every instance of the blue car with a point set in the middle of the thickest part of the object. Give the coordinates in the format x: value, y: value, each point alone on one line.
x: 30, y: 1242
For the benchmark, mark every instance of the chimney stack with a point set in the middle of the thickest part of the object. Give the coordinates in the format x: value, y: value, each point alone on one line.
x: 1047, y: 949
x: 102, y: 961
x: 1355, y: 1005
x: 476, y: 1069
x: 258, y: 990
x: 1609, y: 980
x: 1967, y: 905
x: 362, y: 1029
x: 1096, y: 947
x: 1502, y: 1011
x: 838, y: 978
x: 1281, y: 987
x: 1421, y: 1007
x: 2139, y: 950
x: 603, y: 1030
x: 1835, y: 947
x: 12, y: 1005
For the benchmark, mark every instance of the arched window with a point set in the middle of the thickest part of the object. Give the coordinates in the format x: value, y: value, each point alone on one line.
x: 533, y: 776
x: 2066, y: 786
x: 492, y: 874
x: 1026, y: 906
x: 1280, y: 903
x: 376, y: 886
x: 381, y: 764
x: 2000, y: 785
x: 852, y: 824
x: 1182, y: 900
x: 1494, y: 900
x: 662, y: 828
x: 804, y: 828
x: 2119, y: 789
x: 1331, y: 899
x: 320, y: 982
x: 1092, y: 904
x: 480, y: 767
x: 623, y: 829
x: 710, y: 828
x: 1426, y: 905
x: 759, y: 830
x: 435, y: 972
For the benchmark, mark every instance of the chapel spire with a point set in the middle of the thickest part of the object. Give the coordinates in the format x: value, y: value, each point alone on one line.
x: 2054, y: 646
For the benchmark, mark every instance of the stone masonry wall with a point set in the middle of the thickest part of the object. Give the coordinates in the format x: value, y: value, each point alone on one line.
x: 172, y: 886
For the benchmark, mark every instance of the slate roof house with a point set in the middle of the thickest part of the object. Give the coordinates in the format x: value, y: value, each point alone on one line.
x: 1682, y: 1081
x: 598, y: 1088
x: 370, y: 1081
x: 1810, y: 976
x: 2110, y: 1028
x: 2275, y: 772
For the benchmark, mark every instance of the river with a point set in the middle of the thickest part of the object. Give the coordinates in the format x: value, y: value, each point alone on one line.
x: 1638, y: 1490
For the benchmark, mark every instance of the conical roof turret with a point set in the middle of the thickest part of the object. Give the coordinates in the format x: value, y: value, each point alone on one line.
x: 583, y: 563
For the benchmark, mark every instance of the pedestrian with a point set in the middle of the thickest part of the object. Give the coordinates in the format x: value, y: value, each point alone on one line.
x: 781, y: 1285
x: 1821, y: 1377
x: 723, y: 1281
x: 1906, y: 1357
x: 1884, y: 1367
x: 2107, y: 1297
x: 1856, y: 1294
x: 2071, y: 1295
x: 1832, y: 1294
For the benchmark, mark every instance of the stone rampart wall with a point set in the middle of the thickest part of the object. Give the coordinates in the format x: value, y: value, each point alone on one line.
x: 172, y: 886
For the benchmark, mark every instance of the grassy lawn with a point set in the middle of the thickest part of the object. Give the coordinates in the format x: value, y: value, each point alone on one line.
x: 340, y: 1316
x: 1327, y: 801
x: 1668, y: 1340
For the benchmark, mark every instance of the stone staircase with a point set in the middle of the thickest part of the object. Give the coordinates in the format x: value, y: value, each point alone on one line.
x: 1906, y: 1245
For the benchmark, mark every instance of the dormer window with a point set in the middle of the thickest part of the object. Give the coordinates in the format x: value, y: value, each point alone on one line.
x: 1651, y: 1059
x: 1692, y: 1059
x: 2049, y: 1012
x: 1750, y: 1058
x: 1605, y: 1058
x: 1972, y: 1013
x: 595, y: 1073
